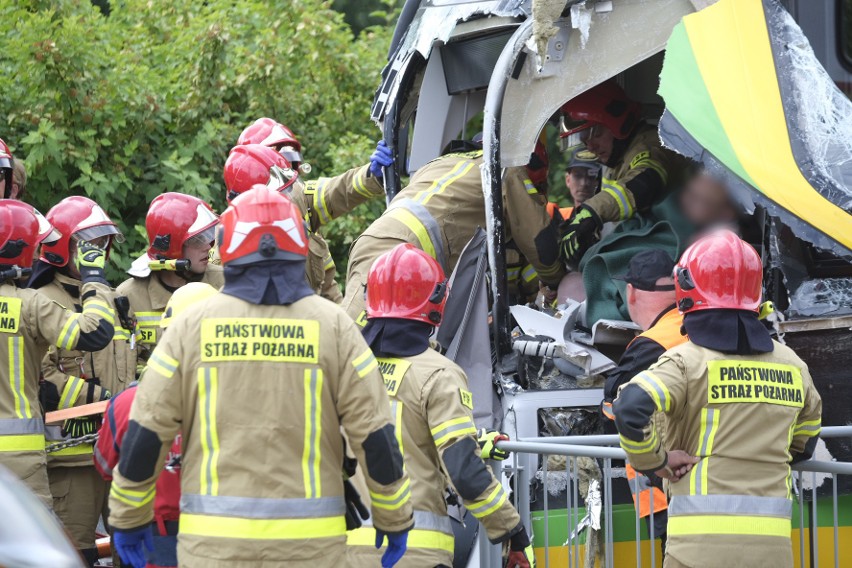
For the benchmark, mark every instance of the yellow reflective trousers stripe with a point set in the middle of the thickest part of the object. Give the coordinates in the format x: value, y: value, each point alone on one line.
x: 17, y: 377
x: 696, y: 525
x: 261, y: 529
x: 22, y: 443
x: 312, y: 454
x: 417, y: 538
x: 208, y: 395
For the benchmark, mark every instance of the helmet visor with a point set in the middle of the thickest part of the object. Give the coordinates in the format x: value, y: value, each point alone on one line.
x: 202, y: 239
x: 291, y: 155
x: 281, y: 178
x: 92, y: 233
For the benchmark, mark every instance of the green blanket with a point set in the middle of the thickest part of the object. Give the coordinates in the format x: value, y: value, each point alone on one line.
x: 662, y: 227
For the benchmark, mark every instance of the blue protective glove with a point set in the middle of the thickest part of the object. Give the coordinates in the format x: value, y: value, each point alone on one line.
x: 381, y: 158
x: 397, y: 544
x: 129, y: 545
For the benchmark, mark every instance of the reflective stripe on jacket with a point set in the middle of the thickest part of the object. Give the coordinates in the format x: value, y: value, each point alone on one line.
x: 744, y: 416
x: 260, y: 393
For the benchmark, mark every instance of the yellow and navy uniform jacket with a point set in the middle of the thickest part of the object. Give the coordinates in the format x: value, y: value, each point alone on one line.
x: 746, y: 417
x: 645, y: 174
x: 439, y: 212
x: 76, y: 376
x: 148, y: 298
x: 641, y: 353
x: 260, y: 393
x: 29, y: 324
x: 330, y: 198
x: 433, y: 415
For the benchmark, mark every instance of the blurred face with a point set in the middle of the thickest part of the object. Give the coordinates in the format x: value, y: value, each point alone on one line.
x: 581, y: 183
x: 705, y: 202
x: 198, y: 255
x: 598, y: 140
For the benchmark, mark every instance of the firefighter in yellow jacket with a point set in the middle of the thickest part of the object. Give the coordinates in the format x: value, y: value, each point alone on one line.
x: 637, y: 173
x: 254, y: 164
x: 181, y: 230
x: 651, y: 303
x: 259, y: 379
x: 740, y: 408
x: 432, y: 407
x: 327, y: 198
x: 77, y: 376
x: 29, y: 324
x: 439, y: 213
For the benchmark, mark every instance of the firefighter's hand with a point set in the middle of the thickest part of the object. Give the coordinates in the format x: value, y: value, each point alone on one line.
x: 78, y: 427
x: 397, y: 545
x: 550, y: 295
x: 488, y: 444
x: 579, y: 233
x: 131, y: 545
x: 90, y: 261
x: 381, y: 158
x: 679, y: 464
x: 356, y: 512
x: 521, y: 551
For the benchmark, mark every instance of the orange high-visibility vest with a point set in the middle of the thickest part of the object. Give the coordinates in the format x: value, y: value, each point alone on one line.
x: 642, y: 501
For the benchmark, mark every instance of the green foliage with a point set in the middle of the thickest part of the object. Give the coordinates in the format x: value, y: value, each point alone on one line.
x: 150, y: 98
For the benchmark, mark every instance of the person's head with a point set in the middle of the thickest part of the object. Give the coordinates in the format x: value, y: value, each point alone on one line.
x: 262, y: 226
x: 255, y: 164
x: 275, y: 135
x: 599, y: 117
x: 719, y: 271
x: 406, y: 283
x: 77, y: 218
x: 582, y: 175
x: 22, y: 228
x: 181, y: 227
x: 705, y: 202
x: 650, y: 286
x: 19, y: 180
x: 183, y: 298
x: 7, y: 163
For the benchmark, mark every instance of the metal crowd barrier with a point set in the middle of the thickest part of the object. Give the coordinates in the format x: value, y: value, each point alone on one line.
x: 600, y: 449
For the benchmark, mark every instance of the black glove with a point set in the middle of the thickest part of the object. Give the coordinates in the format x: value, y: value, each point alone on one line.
x: 78, y: 427
x: 521, y: 551
x: 356, y: 512
x: 90, y: 262
x: 579, y: 232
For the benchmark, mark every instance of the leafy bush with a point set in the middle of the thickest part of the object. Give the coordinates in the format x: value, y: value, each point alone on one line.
x: 151, y: 97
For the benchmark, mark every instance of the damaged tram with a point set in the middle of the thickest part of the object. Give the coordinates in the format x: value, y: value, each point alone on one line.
x: 753, y: 102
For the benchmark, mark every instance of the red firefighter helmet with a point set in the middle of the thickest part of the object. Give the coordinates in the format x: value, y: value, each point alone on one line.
x: 255, y: 164
x: 407, y: 283
x: 7, y: 161
x: 177, y: 219
x: 275, y: 135
x: 719, y: 271
x: 81, y: 218
x: 538, y: 166
x: 605, y: 104
x: 19, y: 233
x: 261, y: 226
